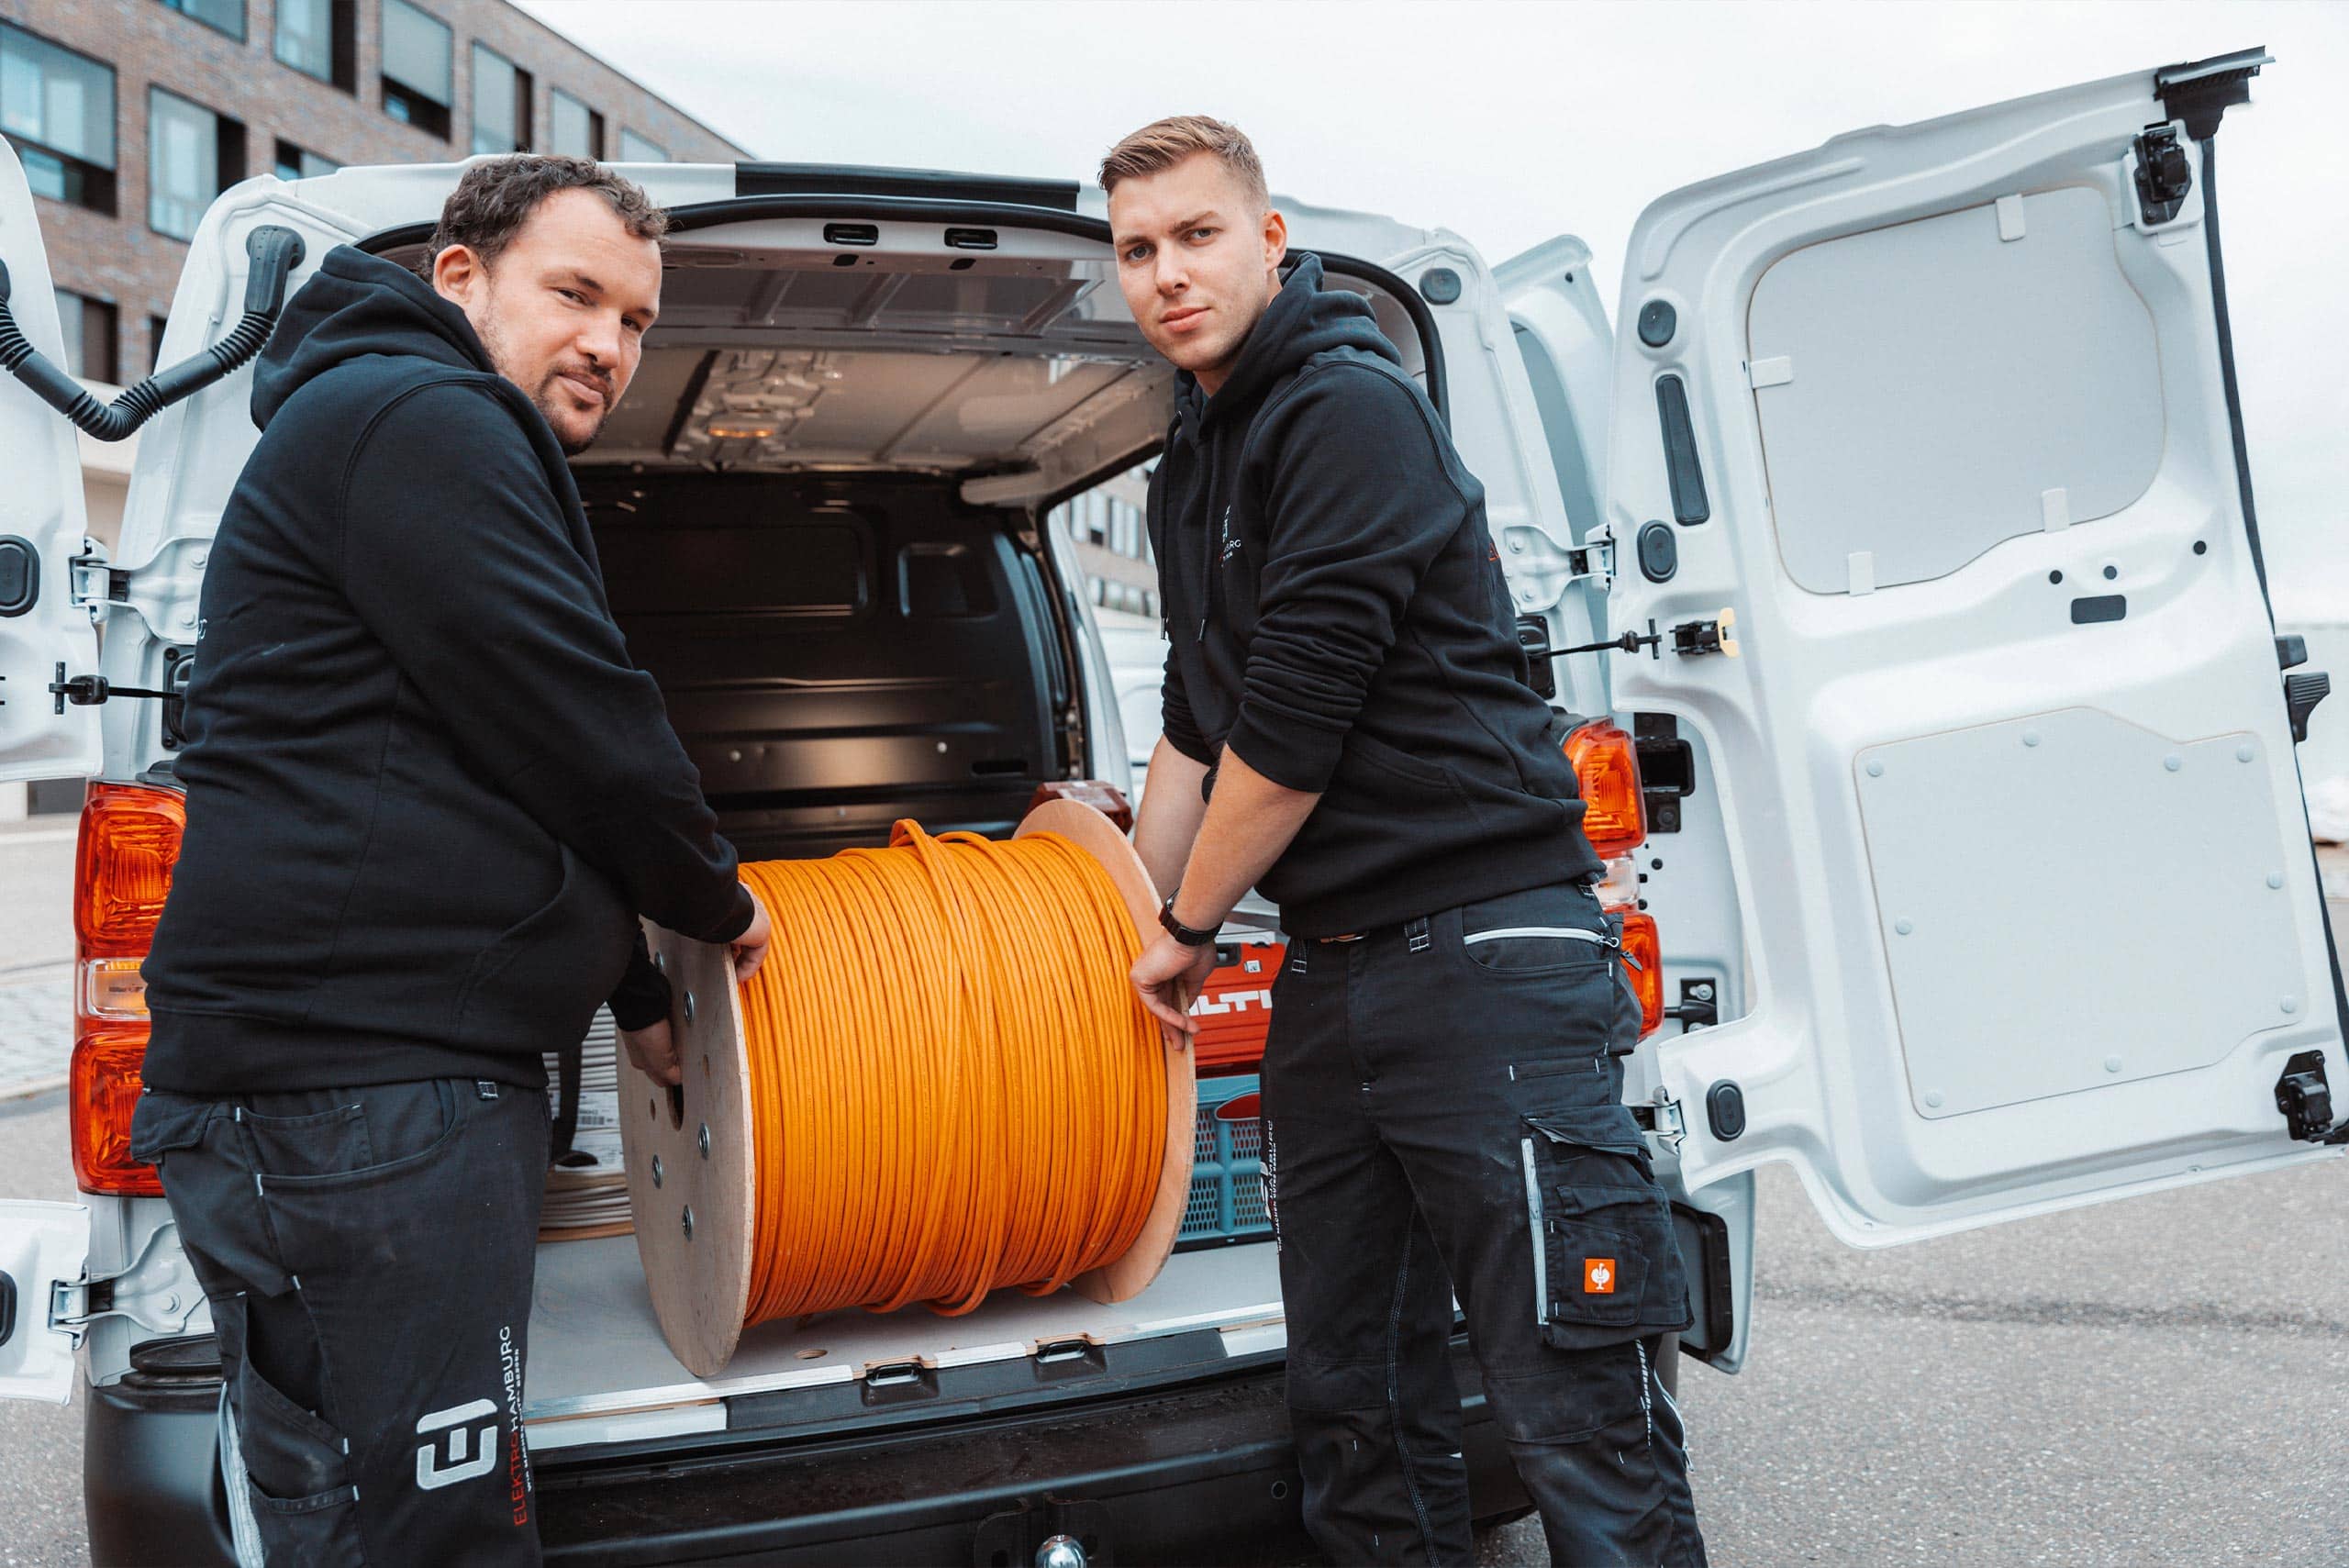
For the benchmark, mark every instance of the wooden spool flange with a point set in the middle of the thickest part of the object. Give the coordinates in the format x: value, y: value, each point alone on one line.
x: 693, y: 1152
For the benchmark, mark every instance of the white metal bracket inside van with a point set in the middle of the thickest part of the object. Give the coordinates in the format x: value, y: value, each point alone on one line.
x: 1541, y: 570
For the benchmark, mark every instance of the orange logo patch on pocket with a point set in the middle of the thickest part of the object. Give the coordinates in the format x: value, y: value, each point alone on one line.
x: 1598, y: 1276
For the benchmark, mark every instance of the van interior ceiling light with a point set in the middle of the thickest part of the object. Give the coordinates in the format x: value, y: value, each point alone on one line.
x: 941, y: 1085
x: 273, y: 253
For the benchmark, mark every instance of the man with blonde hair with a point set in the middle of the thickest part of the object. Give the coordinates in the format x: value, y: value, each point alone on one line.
x: 1348, y: 725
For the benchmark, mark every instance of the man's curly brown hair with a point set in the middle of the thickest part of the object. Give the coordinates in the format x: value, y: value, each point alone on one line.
x: 493, y: 201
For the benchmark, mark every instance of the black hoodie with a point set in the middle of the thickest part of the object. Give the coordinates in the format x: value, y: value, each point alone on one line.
x: 428, y: 793
x: 1338, y: 617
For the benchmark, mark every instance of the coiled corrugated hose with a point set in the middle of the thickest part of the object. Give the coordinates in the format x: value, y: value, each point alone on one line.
x: 273, y: 251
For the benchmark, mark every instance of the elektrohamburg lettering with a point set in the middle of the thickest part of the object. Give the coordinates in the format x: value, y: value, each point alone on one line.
x: 518, y: 1453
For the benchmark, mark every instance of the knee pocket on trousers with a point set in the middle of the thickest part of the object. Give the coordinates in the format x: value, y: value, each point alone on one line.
x: 1581, y: 1395
x: 1334, y: 1387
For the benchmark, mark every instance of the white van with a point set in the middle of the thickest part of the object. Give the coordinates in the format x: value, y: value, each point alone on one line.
x: 1913, y: 492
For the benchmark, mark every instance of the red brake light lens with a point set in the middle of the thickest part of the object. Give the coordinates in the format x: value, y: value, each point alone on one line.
x: 130, y: 840
x: 105, y: 1091
x: 122, y: 872
x: 1606, y: 767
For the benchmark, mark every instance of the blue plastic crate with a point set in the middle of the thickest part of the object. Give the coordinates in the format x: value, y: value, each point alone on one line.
x: 1226, y: 1170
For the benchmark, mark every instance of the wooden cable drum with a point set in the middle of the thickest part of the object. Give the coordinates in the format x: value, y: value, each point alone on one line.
x: 939, y: 1084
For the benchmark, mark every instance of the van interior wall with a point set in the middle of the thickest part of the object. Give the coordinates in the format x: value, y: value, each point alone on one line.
x: 837, y: 651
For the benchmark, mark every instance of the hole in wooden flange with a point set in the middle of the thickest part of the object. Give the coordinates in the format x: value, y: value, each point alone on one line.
x: 652, y: 1106
x: 676, y: 1106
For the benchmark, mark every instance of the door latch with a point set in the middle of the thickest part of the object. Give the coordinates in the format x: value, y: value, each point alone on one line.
x: 2163, y: 174
x: 159, y: 1292
x: 2302, y: 692
x: 2305, y: 1097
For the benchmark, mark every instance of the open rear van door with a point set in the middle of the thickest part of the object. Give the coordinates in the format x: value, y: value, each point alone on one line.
x: 45, y: 638
x: 1926, y: 472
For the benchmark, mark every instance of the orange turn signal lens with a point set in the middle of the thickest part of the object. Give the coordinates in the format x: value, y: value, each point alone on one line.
x: 1641, y: 943
x: 131, y: 839
x: 1606, y: 767
x: 105, y: 1085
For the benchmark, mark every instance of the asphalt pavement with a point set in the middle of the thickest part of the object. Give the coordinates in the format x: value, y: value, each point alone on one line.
x: 2144, y: 1383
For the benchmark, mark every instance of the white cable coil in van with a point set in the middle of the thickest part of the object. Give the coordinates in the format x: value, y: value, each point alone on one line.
x: 587, y: 1193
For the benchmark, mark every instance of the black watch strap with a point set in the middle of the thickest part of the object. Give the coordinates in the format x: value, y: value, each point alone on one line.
x: 1181, y: 932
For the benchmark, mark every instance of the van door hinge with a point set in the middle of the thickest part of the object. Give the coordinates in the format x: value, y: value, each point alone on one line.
x: 2164, y: 174
x: 97, y: 586
x: 162, y: 590
x: 1663, y: 1118
x: 1540, y: 570
x: 158, y: 1293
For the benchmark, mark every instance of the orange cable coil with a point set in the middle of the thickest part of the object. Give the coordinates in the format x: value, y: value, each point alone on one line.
x: 955, y: 1087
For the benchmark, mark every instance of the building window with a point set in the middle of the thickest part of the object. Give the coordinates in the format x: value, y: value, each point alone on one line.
x: 578, y: 131
x: 300, y: 163
x: 228, y: 15
x: 320, y: 39
x: 193, y: 155
x: 57, y: 107
x: 417, y: 51
x: 501, y: 103
x: 155, y: 325
x: 89, y: 326
x: 635, y: 149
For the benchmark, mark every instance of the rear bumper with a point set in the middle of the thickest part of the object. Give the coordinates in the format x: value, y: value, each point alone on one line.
x: 1199, y: 1474
x: 1203, y: 1474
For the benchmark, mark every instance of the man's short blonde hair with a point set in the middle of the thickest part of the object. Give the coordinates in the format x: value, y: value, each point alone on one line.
x: 1162, y: 144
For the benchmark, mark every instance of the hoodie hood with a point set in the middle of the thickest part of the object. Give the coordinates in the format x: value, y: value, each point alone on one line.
x: 1303, y: 319
x: 359, y: 304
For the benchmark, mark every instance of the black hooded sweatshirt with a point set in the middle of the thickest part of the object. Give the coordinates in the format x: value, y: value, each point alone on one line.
x: 1337, y: 617
x: 428, y: 793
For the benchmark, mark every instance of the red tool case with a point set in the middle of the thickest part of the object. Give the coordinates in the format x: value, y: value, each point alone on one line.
x: 1235, y: 1006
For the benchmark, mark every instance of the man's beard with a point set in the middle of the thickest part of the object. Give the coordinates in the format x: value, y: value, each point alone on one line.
x: 545, y: 400
x: 543, y: 397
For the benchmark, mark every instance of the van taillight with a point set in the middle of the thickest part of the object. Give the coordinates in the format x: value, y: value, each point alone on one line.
x: 130, y: 840
x: 1606, y: 767
x: 1641, y: 942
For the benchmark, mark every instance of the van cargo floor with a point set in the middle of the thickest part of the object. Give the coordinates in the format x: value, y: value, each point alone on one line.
x: 596, y: 1352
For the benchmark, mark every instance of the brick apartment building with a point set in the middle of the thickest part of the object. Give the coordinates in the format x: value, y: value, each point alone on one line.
x: 130, y: 116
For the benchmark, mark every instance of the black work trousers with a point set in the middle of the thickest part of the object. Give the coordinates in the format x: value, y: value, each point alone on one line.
x: 1442, y: 1114
x: 367, y: 1256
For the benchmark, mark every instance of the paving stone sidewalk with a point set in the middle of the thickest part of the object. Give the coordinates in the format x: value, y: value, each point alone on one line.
x: 36, y: 1029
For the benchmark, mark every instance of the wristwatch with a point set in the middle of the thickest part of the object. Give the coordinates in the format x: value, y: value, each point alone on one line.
x: 1181, y: 932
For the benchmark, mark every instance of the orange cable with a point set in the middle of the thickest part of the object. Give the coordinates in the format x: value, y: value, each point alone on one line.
x: 954, y: 1087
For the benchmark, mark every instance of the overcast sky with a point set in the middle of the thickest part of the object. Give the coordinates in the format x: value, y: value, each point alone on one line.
x: 1512, y: 122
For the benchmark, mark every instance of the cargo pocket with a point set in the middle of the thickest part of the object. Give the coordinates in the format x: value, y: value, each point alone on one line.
x: 1606, y: 1266
x: 161, y: 1122
x: 297, y: 1467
